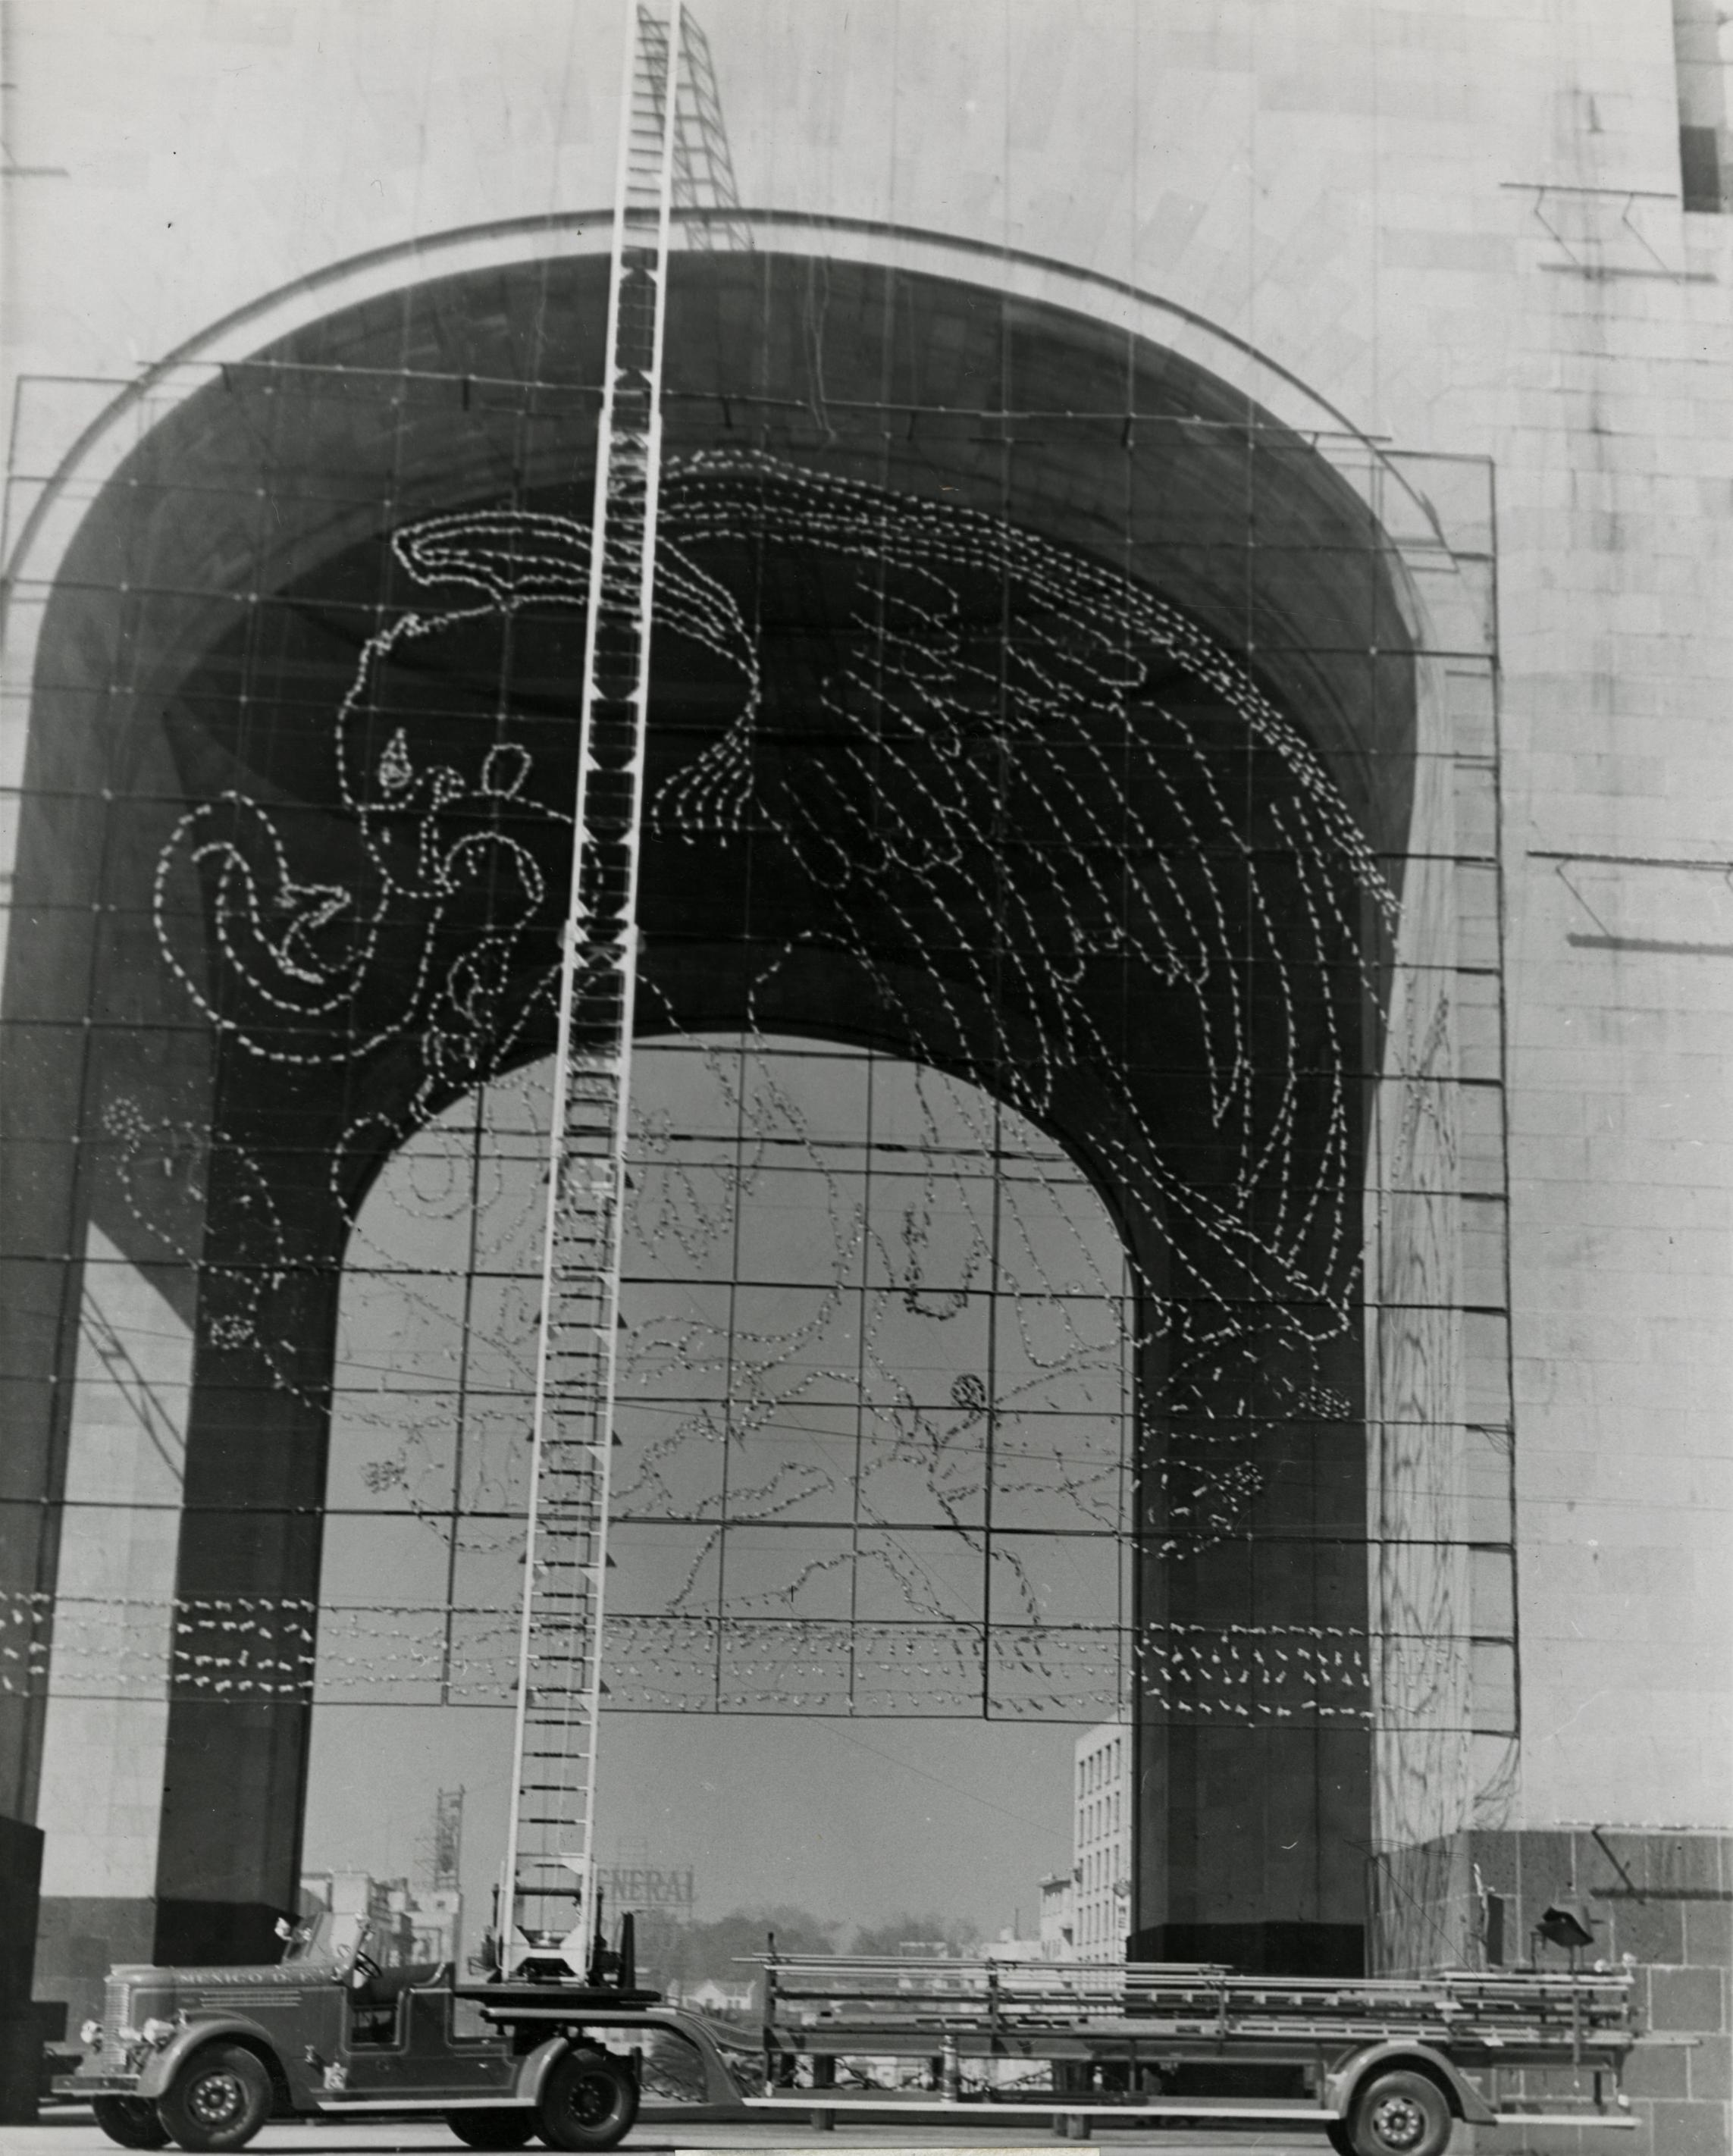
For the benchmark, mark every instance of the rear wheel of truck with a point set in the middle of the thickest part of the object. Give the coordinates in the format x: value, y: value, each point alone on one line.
x: 219, y: 2099
x: 131, y: 2121
x: 1400, y: 2114
x: 510, y: 2126
x: 589, y: 2102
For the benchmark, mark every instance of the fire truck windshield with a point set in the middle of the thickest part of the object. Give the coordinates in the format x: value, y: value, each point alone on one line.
x: 327, y: 1936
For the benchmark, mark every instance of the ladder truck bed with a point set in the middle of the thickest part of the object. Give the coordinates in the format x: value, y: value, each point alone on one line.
x: 1386, y: 2066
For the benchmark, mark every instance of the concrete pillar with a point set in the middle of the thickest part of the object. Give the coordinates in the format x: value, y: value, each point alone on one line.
x: 106, y: 1733
x: 20, y: 2027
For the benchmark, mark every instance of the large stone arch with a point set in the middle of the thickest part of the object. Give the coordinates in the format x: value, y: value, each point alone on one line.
x: 206, y: 621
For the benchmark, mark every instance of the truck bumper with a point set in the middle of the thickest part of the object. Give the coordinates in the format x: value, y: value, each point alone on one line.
x: 90, y: 2085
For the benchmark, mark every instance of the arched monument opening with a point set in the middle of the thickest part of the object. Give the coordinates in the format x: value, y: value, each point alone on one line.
x: 1028, y: 708
x: 875, y: 1462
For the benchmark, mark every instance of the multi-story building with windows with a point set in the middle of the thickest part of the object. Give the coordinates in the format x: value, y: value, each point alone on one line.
x: 1059, y: 1916
x: 1101, y: 1842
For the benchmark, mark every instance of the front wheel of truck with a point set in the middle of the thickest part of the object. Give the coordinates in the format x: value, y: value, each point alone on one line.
x: 589, y: 2102
x: 131, y: 2121
x: 218, y: 2100
x: 507, y: 2128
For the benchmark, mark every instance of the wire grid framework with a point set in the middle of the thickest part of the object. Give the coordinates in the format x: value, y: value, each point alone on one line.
x: 961, y: 1655
x: 518, y: 561
x: 1058, y: 1667
x: 874, y: 1408
x: 522, y: 559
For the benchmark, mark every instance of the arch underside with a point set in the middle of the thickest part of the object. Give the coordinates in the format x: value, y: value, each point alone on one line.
x: 1024, y: 707
x: 872, y: 1409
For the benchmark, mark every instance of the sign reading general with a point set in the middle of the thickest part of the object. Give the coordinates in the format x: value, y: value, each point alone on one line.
x: 645, y: 1886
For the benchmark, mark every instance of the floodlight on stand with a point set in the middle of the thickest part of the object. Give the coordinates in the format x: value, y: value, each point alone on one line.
x: 1566, y: 1922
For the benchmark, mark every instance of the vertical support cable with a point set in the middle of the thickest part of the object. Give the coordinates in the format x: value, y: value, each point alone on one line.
x: 551, y: 1829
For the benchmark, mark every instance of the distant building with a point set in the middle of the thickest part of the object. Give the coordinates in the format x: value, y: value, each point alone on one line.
x: 435, y: 1916
x: 1101, y: 1842
x: 409, y: 1924
x: 1009, y: 1947
x: 1059, y: 1916
x: 710, y: 1997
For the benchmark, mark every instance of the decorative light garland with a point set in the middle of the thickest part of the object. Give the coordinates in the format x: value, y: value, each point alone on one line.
x: 1152, y: 866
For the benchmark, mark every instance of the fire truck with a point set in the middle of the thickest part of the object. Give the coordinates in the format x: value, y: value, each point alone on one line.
x: 1386, y: 2067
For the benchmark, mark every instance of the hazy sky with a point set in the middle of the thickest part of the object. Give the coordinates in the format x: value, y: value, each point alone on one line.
x: 858, y: 1820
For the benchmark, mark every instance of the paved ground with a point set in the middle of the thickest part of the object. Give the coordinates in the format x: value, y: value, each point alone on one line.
x: 75, y: 2133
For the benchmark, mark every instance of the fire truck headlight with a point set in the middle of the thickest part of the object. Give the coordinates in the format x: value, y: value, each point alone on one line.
x: 89, y: 2035
x: 156, y: 2032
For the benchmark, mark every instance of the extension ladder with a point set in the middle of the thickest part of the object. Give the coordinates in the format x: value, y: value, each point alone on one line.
x: 549, y: 1858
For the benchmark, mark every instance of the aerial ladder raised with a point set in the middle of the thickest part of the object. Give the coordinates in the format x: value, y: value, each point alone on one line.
x: 549, y: 1857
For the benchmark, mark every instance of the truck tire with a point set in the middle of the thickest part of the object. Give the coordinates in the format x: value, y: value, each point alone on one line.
x: 219, y: 2099
x: 510, y: 2126
x: 1400, y: 2114
x: 131, y: 2121
x: 589, y: 2102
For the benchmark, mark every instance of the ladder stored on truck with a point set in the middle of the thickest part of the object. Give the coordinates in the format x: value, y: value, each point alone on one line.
x: 991, y: 2039
x: 853, y: 1994
x: 550, y: 1861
